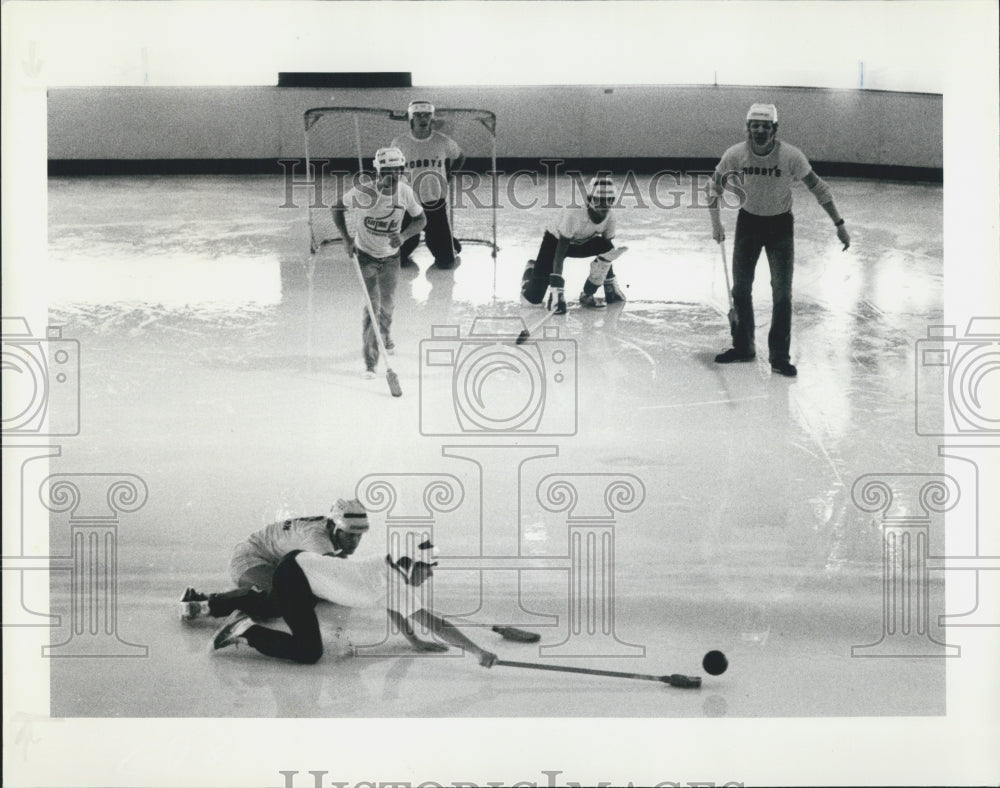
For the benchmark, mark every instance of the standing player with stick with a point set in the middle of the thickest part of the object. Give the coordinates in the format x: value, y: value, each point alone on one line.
x: 377, y: 213
x: 765, y: 168
x: 579, y: 231
x: 431, y: 158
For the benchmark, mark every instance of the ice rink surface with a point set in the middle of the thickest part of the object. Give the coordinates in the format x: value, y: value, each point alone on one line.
x: 220, y: 363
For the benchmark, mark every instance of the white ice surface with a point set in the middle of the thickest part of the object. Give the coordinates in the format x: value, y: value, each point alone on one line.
x: 220, y: 363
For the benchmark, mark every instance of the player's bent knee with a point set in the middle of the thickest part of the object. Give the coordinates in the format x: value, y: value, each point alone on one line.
x: 309, y: 655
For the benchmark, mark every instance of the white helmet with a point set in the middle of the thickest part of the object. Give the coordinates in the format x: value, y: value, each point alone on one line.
x: 602, y: 188
x: 389, y: 157
x: 349, y: 516
x: 419, y: 106
x: 767, y: 112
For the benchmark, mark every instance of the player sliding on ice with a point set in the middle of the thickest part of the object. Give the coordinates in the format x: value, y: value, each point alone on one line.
x: 377, y: 216
x: 303, y: 578
x: 579, y: 231
x: 255, y: 559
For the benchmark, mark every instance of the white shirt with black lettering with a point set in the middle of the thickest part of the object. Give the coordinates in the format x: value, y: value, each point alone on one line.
x: 765, y: 180
x: 373, y: 216
x: 426, y: 161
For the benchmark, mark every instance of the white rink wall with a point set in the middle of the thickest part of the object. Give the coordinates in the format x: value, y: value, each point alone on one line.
x: 608, y: 121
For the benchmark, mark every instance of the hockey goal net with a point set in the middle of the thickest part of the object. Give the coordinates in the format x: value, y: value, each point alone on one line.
x: 340, y: 143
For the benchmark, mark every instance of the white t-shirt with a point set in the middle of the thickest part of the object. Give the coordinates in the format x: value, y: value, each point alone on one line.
x: 574, y: 222
x: 374, y: 216
x: 278, y: 539
x: 425, y: 163
x: 766, y: 180
x: 368, y: 582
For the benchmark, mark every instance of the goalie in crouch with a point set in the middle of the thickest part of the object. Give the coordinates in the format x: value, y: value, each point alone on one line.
x: 302, y: 579
x: 579, y: 231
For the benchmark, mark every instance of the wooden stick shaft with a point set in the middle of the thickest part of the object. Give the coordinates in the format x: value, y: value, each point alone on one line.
x: 567, y: 669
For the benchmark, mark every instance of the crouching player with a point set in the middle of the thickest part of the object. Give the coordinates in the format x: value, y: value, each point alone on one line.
x: 579, y: 231
x: 255, y: 559
x: 302, y: 579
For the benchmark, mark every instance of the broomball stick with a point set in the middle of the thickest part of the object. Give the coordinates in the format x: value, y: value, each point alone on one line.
x: 674, y: 680
x: 391, y: 377
x: 729, y: 290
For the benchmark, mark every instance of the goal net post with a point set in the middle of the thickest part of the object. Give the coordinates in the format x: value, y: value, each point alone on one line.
x: 340, y: 143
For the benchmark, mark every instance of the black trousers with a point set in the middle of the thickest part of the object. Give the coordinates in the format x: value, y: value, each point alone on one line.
x: 536, y: 281
x: 297, y: 605
x: 437, y: 234
x: 775, y: 235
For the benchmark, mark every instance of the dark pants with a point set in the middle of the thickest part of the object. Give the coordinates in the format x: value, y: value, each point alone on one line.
x: 257, y: 604
x: 536, y: 279
x: 381, y: 275
x: 296, y: 603
x: 775, y: 235
x: 437, y: 234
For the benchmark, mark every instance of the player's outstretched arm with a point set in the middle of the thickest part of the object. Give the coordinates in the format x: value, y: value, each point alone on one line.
x: 418, y: 643
x: 824, y: 197
x: 448, y: 631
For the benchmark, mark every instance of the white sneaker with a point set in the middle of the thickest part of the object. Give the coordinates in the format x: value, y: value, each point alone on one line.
x: 368, y: 374
x: 231, y: 631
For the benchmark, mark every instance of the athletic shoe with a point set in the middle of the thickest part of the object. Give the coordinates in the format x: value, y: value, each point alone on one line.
x: 786, y: 368
x: 588, y: 300
x: 407, y: 262
x: 733, y: 354
x: 390, y: 347
x: 193, y: 605
x: 231, y: 631
x: 368, y: 374
x: 560, y: 307
x: 613, y: 293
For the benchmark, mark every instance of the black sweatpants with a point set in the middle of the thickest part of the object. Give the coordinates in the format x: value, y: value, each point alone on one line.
x: 437, y: 234
x: 295, y: 601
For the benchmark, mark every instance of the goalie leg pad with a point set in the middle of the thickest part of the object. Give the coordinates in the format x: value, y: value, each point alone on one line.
x: 533, y: 287
x: 599, y: 268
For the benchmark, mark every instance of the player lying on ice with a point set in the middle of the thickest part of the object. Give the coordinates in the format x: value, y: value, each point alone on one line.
x: 579, y: 231
x: 255, y: 559
x: 303, y: 578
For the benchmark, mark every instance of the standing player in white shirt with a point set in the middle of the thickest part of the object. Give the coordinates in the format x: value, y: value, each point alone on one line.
x: 579, y: 231
x: 762, y: 169
x: 431, y: 158
x: 376, y: 213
